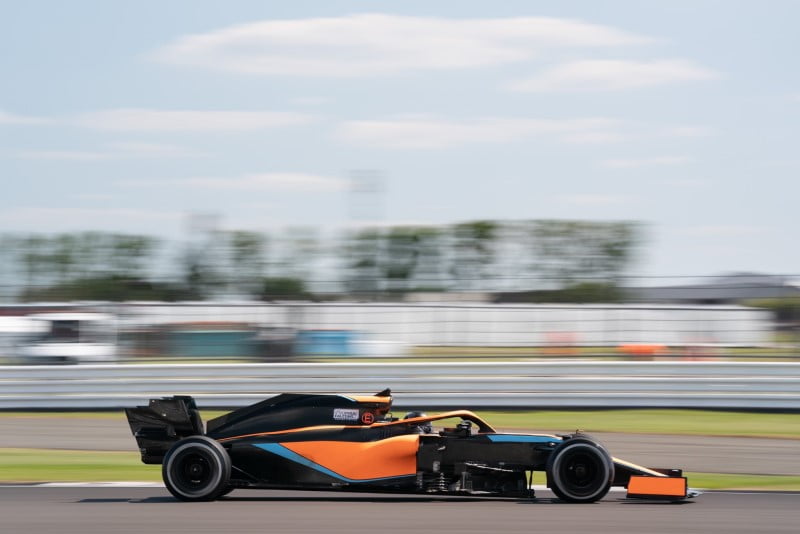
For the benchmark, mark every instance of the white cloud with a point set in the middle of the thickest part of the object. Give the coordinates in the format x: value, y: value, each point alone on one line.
x: 11, y: 118
x: 643, y: 162
x: 270, y: 181
x: 111, y: 151
x: 593, y: 137
x: 614, y: 75
x: 140, y: 119
x: 67, y: 155
x: 688, y: 131
x: 150, y: 149
x: 375, y: 44
x: 432, y: 133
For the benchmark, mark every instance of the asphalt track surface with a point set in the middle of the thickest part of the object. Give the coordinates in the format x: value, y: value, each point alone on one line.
x: 123, y: 510
x: 691, y: 453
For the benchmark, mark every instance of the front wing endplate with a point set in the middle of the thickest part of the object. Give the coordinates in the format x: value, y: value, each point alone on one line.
x: 670, y: 488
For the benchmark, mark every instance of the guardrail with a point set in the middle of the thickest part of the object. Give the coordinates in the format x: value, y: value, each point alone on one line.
x: 551, y: 384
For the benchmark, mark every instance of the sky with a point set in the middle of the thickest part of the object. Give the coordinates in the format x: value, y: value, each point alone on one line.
x: 132, y: 116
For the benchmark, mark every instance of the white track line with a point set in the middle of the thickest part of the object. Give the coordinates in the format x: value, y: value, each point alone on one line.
x: 119, y: 484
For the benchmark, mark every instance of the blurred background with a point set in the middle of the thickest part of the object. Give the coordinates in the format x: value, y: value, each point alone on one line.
x: 299, y: 181
x: 475, y: 289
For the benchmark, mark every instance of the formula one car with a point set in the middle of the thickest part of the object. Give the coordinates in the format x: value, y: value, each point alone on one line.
x: 343, y: 442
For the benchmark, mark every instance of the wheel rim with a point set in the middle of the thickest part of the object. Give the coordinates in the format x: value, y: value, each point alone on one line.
x: 194, y: 472
x: 581, y: 472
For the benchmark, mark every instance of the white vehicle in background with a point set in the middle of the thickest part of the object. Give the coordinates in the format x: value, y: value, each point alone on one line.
x: 14, y: 329
x: 70, y: 337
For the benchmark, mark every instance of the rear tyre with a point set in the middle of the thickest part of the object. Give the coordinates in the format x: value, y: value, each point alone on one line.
x: 196, y: 469
x: 580, y: 470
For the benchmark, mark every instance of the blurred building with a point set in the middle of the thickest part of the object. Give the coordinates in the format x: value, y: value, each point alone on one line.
x: 726, y: 289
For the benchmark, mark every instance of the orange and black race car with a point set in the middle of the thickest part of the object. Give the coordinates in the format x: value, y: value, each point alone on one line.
x: 343, y: 442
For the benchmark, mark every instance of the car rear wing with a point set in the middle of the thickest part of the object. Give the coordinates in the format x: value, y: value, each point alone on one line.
x: 161, y: 423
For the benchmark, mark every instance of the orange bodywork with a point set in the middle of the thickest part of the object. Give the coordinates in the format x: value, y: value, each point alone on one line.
x: 657, y: 487
x: 389, y: 457
x: 370, y: 399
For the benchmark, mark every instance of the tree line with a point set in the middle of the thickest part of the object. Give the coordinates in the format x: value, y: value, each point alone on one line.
x: 536, y: 260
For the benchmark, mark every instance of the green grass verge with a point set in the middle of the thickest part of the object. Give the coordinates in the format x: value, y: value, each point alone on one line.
x: 47, y: 465
x: 43, y: 465
x: 726, y: 481
x: 678, y: 422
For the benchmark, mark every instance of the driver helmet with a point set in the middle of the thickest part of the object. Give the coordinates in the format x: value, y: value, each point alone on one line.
x: 424, y: 427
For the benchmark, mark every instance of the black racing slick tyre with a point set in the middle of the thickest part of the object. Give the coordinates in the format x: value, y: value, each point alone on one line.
x: 580, y: 470
x: 196, y: 469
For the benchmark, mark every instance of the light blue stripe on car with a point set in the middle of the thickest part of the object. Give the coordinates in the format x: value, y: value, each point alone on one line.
x: 280, y: 450
x: 522, y: 438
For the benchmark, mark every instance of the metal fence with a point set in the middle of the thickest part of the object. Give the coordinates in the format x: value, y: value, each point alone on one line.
x: 556, y: 384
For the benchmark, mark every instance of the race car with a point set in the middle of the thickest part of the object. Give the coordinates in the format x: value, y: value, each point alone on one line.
x: 353, y: 443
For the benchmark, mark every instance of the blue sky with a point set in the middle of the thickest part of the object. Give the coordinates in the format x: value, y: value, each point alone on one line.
x: 128, y: 116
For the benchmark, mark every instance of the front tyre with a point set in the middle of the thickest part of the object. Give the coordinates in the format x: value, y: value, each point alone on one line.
x: 580, y: 470
x: 196, y: 469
